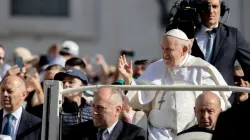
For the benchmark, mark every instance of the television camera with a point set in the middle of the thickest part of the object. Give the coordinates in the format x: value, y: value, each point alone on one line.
x: 185, y: 15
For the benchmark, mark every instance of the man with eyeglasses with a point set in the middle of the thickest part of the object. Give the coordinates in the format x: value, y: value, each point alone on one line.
x: 240, y: 80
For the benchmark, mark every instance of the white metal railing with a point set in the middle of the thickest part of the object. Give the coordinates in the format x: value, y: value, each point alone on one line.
x: 164, y: 87
x: 53, y: 91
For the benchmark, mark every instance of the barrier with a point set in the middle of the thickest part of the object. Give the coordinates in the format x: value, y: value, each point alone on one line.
x: 53, y: 91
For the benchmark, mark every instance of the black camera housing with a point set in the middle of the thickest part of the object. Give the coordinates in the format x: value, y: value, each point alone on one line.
x: 185, y: 16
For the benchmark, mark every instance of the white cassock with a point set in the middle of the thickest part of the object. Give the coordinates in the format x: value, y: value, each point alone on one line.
x: 172, y: 111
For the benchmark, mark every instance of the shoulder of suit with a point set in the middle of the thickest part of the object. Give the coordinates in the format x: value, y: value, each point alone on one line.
x: 130, y: 126
x: 88, y: 124
x: 229, y: 28
x: 236, y: 109
x: 30, y: 117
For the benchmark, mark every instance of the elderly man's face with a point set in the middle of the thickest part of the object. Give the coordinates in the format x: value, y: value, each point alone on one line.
x: 172, y: 52
x: 12, y: 95
x: 207, y: 113
x: 211, y: 18
x: 71, y: 82
x: 2, y: 53
x: 104, y: 111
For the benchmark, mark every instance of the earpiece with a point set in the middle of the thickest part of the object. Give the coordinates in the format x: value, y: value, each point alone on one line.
x: 223, y: 8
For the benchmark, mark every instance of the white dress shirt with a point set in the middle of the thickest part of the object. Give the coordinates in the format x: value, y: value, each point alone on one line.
x: 110, y: 129
x: 107, y: 133
x: 15, y: 121
x: 202, y: 38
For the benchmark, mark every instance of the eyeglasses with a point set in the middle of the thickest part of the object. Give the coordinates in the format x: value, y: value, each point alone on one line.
x: 98, y: 108
x: 237, y: 78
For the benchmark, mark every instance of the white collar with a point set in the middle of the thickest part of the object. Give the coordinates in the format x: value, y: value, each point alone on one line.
x: 176, y: 68
x: 204, y: 28
x: 17, y: 114
x: 111, y: 128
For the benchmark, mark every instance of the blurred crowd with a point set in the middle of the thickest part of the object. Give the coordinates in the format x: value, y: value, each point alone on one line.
x: 61, y: 62
x: 66, y: 55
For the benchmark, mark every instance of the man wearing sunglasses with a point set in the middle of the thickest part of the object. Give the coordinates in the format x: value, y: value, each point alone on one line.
x: 241, y: 81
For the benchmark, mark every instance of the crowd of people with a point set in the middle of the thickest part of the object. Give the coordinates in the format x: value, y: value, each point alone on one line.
x: 113, y: 114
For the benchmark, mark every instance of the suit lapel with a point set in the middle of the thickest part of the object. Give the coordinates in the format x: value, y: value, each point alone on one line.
x: 24, y: 123
x: 219, y: 39
x: 196, y: 51
x: 93, y: 136
x: 116, y: 131
x: 1, y: 120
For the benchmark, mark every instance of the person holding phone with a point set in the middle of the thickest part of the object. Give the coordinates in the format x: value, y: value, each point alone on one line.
x: 241, y: 81
x: 25, y: 58
x: 17, y: 69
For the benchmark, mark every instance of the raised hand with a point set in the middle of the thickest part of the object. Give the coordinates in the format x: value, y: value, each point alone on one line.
x: 99, y: 59
x: 13, y: 71
x: 34, y: 84
x: 125, y: 69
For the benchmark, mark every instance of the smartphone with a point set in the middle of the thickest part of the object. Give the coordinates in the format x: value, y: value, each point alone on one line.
x: 32, y: 72
x: 19, y: 62
x: 127, y: 53
x: 238, y: 78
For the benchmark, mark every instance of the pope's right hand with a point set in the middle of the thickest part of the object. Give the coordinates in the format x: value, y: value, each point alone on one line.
x: 125, y: 69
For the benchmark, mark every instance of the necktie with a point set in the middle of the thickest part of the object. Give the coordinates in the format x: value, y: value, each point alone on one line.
x: 8, y: 127
x: 209, y: 46
x: 103, y: 134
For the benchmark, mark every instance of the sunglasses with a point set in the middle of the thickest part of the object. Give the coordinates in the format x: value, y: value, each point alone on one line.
x: 237, y: 78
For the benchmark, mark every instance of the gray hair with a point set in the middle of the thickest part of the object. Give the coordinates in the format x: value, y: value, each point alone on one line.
x: 182, y: 42
x: 116, y: 95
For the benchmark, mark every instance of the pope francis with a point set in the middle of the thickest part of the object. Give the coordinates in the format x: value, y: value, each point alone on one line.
x: 170, y: 112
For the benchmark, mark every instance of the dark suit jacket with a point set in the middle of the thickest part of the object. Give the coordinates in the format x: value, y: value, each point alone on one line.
x: 229, y: 45
x: 29, y: 127
x: 122, y: 131
x: 234, y: 123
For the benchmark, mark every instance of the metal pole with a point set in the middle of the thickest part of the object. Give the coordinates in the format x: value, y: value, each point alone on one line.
x: 48, y: 98
x: 51, y: 109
